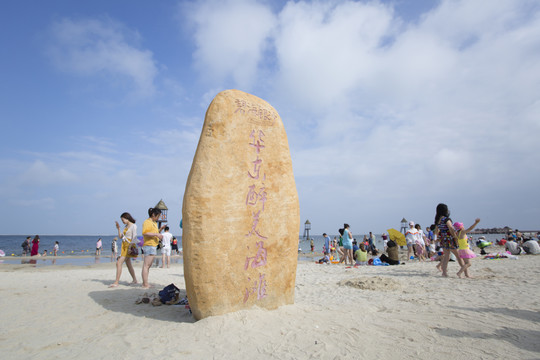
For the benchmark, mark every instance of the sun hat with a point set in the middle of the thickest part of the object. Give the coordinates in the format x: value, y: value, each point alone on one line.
x: 411, y: 223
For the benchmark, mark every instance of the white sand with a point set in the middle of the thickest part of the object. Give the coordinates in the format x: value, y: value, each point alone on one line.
x: 394, y: 312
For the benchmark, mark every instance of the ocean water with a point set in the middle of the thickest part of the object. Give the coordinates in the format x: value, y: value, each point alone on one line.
x: 74, y: 249
x: 72, y: 245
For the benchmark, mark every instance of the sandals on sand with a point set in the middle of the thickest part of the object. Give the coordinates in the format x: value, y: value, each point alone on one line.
x: 149, y: 299
x: 143, y: 299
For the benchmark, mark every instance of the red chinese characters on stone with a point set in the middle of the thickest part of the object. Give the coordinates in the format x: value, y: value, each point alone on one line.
x: 256, y: 169
x: 254, y: 226
x: 259, y: 259
x: 259, y: 287
x: 257, y: 143
x: 253, y: 197
x: 255, y: 111
x: 256, y: 198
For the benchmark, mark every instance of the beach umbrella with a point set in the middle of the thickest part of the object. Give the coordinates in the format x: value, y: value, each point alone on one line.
x: 397, y: 236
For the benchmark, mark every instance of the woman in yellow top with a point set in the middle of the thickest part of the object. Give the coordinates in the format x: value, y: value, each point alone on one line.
x: 151, y: 235
x: 128, y: 236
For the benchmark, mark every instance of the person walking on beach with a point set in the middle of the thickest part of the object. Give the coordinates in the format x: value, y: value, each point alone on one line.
x: 372, y: 240
x: 56, y: 248
x: 411, y: 236
x: 339, y: 246
x: 151, y: 235
x: 347, y: 245
x: 420, y: 243
x: 326, y: 249
x: 128, y: 236
x: 464, y: 251
x: 26, y: 246
x: 174, y: 246
x: 166, y: 248
x: 444, y: 229
x: 35, y: 246
x: 114, y: 248
x: 312, y: 244
x: 99, y: 245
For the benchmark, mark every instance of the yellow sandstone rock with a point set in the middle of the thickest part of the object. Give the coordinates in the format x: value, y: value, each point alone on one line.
x: 240, y: 213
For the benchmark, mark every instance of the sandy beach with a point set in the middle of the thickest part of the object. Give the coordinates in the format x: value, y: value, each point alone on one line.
x: 392, y: 312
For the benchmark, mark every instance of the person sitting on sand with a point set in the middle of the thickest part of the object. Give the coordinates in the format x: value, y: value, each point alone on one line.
x: 324, y: 260
x: 531, y: 247
x: 512, y: 246
x: 393, y: 254
x: 44, y: 253
x: 361, y: 255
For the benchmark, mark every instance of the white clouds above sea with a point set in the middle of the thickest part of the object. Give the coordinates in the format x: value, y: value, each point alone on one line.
x: 385, y: 116
x: 382, y: 109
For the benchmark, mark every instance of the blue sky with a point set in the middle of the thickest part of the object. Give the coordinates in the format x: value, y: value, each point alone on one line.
x: 390, y: 106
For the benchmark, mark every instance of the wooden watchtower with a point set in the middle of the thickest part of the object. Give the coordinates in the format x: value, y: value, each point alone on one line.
x: 404, y: 226
x: 163, y: 217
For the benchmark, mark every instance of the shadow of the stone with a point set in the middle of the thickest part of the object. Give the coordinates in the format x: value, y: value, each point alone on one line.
x: 122, y: 300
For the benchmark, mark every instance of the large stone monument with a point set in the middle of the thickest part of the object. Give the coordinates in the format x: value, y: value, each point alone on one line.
x: 241, y: 216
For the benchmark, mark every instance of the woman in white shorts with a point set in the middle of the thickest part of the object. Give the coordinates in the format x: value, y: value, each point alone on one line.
x: 166, y: 247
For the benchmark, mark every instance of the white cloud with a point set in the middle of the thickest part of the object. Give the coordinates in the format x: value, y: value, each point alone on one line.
x: 230, y: 37
x: 103, y: 47
x: 324, y: 51
x: 378, y: 109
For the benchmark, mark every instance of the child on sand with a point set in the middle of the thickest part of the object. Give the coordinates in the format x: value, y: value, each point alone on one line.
x: 324, y: 260
x: 56, y: 247
x: 361, y: 255
x: 464, y: 251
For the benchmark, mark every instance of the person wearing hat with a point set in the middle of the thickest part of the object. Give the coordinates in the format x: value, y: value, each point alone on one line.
x: 410, y: 236
x: 385, y: 241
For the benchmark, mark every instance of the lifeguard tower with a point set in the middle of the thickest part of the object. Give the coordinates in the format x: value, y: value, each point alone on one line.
x: 163, y: 217
x: 404, y: 226
x: 307, y: 227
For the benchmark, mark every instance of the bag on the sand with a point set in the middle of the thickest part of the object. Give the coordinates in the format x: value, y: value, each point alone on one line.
x: 132, y: 250
x: 168, y: 293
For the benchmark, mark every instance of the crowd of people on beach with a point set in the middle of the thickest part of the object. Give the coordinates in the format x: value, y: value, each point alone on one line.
x: 444, y: 241
x: 153, y: 239
x: 30, y: 247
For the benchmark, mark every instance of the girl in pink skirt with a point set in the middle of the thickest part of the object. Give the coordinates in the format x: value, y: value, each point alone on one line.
x: 464, y: 251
